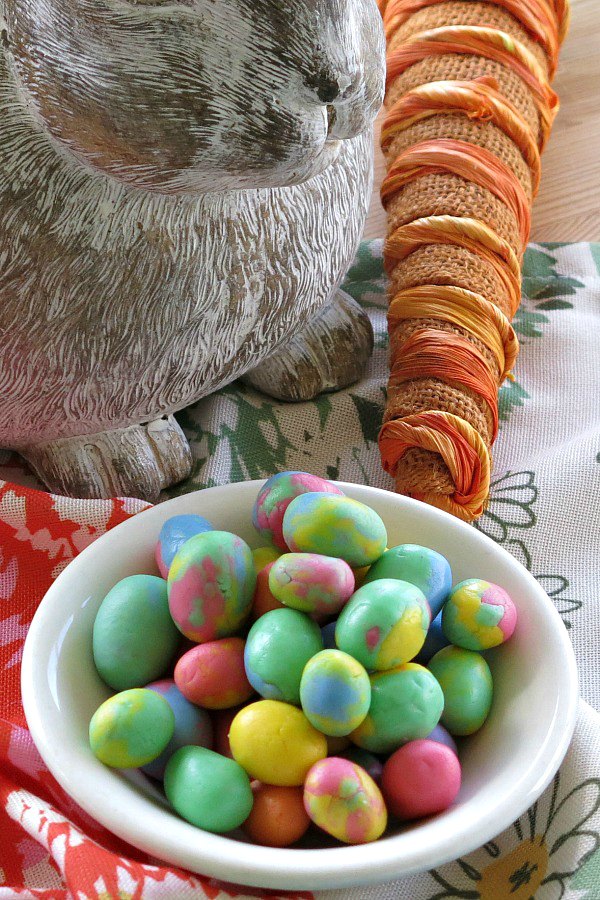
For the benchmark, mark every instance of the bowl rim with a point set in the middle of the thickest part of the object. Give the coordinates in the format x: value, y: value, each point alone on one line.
x: 292, y: 869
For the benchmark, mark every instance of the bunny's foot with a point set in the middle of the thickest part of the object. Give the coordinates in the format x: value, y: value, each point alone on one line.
x: 138, y: 461
x: 328, y: 354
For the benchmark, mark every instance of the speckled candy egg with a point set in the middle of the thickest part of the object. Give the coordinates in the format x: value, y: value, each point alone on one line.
x: 422, y: 778
x: 192, y: 726
x: 211, y: 583
x: 275, y: 743
x: 427, y: 569
x: 276, y: 495
x: 207, y: 789
x: 335, y: 692
x: 278, y: 646
x: 311, y: 583
x: 343, y: 800
x: 131, y: 728
x: 478, y: 615
x: 384, y: 624
x: 406, y: 704
x: 334, y: 526
x: 134, y: 637
x: 173, y: 535
x: 466, y: 681
x: 213, y: 674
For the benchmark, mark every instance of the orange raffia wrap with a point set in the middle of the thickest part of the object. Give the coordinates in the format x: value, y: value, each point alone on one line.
x: 469, y: 110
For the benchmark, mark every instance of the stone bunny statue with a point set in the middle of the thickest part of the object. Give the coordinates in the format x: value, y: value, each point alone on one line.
x: 183, y: 184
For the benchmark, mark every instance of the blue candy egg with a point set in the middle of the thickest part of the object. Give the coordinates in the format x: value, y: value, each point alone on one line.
x: 193, y: 726
x: 435, y: 640
x: 173, y: 535
x: 328, y: 635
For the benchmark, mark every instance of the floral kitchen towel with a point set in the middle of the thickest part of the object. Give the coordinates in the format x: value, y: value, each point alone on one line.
x: 544, y: 509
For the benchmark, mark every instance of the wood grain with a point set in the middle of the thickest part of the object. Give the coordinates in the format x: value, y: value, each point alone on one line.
x: 567, y: 207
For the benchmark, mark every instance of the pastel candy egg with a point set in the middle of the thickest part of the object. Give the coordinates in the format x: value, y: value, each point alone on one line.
x: 343, y: 800
x: 211, y: 583
x: 443, y: 736
x: 222, y: 719
x: 384, y: 624
x: 334, y: 526
x: 406, y: 704
x: 192, y: 726
x: 207, y: 789
x: 427, y: 569
x: 278, y: 646
x: 131, y: 728
x: 275, y: 743
x: 466, y: 681
x: 278, y: 817
x: 311, y: 583
x: 367, y: 761
x: 173, y: 535
x: 335, y: 692
x: 478, y: 615
x: 435, y: 640
x: 213, y: 674
x: 134, y: 637
x: 276, y: 495
x: 420, y: 779
x: 262, y: 556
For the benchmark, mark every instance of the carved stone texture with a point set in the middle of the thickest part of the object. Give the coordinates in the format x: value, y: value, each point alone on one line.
x: 183, y: 186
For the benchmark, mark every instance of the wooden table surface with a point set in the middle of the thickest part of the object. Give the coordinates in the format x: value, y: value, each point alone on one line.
x: 567, y: 207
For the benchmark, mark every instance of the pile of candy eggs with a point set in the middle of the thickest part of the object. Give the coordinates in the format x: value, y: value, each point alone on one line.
x: 322, y: 680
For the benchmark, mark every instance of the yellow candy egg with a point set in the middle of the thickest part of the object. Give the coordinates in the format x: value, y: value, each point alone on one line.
x: 275, y: 743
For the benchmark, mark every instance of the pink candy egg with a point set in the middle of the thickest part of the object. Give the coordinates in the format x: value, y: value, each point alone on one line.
x: 420, y: 779
x: 213, y: 674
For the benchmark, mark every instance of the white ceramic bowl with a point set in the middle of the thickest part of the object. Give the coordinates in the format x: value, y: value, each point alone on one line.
x: 506, y: 765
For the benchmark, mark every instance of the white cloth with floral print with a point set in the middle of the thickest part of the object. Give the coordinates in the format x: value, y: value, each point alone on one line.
x: 545, y: 509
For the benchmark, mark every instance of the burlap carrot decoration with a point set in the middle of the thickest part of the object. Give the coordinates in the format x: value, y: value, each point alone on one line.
x: 469, y: 109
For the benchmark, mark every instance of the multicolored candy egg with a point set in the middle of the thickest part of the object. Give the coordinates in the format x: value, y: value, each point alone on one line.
x: 278, y: 646
x: 384, y: 624
x: 213, y: 674
x: 211, y: 583
x: 193, y: 726
x: 343, y: 800
x: 334, y: 526
x: 131, y: 728
x: 466, y: 680
x: 276, y: 495
x: 173, y: 535
x: 311, y: 583
x: 335, y: 692
x: 478, y: 615
x: 427, y: 569
x: 406, y: 704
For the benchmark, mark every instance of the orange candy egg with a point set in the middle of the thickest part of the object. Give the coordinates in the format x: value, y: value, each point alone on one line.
x: 278, y: 817
x: 263, y: 600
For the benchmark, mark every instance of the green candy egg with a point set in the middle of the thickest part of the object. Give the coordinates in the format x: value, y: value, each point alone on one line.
x: 466, y: 681
x: 134, y: 637
x: 209, y: 790
x: 278, y: 647
x: 384, y: 624
x: 131, y: 729
x: 406, y: 704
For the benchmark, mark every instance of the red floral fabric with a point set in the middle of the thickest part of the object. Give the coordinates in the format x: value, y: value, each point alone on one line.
x: 50, y: 848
